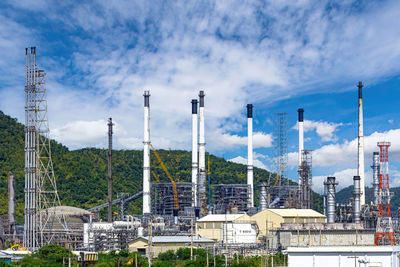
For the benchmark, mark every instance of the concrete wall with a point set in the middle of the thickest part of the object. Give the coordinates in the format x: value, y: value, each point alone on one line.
x: 286, y: 238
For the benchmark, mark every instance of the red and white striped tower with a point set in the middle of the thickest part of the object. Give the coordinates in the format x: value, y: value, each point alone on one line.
x: 384, y: 234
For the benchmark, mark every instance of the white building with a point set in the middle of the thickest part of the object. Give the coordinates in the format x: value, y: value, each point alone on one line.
x: 344, y: 256
x: 240, y: 233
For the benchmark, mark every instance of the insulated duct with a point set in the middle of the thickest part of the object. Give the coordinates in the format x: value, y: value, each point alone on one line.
x: 11, y: 205
x: 250, y: 155
x: 356, y: 194
x: 146, y: 155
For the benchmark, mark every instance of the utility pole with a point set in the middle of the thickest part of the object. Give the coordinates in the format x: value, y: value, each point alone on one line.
x: 110, y: 132
x: 191, y: 239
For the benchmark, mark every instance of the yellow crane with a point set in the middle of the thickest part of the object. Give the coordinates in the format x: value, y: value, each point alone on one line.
x: 169, y: 176
x: 279, y: 175
x: 155, y: 176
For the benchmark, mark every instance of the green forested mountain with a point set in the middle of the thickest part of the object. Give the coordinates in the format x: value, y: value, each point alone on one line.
x: 82, y: 174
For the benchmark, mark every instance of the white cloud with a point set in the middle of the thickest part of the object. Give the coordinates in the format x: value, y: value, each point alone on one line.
x: 235, y: 52
x: 325, y: 130
x: 256, y: 162
x: 260, y: 140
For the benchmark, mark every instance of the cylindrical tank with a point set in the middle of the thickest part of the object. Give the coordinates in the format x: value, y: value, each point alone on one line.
x: 356, y: 193
x: 262, y: 186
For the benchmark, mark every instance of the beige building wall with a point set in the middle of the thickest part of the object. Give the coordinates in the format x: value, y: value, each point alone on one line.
x: 213, y: 229
x: 267, y: 220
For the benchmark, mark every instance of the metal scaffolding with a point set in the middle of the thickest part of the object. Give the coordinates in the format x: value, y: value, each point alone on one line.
x: 230, y: 198
x: 162, y: 196
x: 305, y: 173
x: 285, y: 196
x: 40, y: 184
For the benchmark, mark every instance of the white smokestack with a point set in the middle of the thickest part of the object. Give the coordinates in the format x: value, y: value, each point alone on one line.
x: 202, y: 159
x: 195, y: 164
x: 146, y: 155
x: 361, y: 145
x: 250, y: 154
x: 301, y: 138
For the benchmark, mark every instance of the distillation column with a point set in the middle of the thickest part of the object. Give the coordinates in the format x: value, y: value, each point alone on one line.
x: 375, y: 177
x: 250, y: 154
x: 361, y: 145
x: 146, y: 155
x: 330, y: 199
x: 195, y: 164
x: 356, y: 194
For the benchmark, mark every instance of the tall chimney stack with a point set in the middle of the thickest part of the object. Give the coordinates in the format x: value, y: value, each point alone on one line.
x: 356, y: 194
x: 202, y: 160
x: 11, y: 205
x: 301, y: 139
x: 195, y: 164
x: 110, y: 132
x: 250, y: 154
x: 146, y: 155
x: 375, y: 176
x: 360, y: 171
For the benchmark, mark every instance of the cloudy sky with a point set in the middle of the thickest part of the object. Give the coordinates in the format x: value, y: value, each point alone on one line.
x: 278, y: 55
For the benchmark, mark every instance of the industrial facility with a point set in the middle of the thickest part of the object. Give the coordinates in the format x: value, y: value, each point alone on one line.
x: 260, y: 217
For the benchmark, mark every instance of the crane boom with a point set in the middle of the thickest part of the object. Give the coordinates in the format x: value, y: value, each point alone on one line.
x: 169, y: 176
x: 155, y: 176
x: 279, y: 175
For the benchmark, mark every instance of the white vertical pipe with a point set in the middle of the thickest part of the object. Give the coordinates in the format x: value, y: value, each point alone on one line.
x: 202, y: 157
x: 146, y: 155
x: 301, y: 138
x: 361, y: 145
x: 250, y: 154
x: 356, y: 194
x: 195, y: 164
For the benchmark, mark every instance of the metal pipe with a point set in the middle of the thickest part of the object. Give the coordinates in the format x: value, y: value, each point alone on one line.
x: 202, y: 160
x: 301, y: 139
x: 195, y: 164
x: 331, y: 199
x: 146, y: 155
x: 262, y: 195
x: 110, y: 132
x: 356, y: 193
x: 375, y: 176
x: 250, y: 154
x: 361, y: 145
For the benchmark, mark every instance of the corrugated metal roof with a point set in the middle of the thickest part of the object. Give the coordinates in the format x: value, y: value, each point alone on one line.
x: 297, y: 213
x: 220, y: 217
x: 177, y: 239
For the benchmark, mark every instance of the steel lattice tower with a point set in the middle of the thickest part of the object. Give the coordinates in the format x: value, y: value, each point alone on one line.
x: 41, y: 197
x: 384, y: 234
x: 281, y: 145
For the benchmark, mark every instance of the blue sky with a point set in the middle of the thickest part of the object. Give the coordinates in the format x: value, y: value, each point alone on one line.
x: 279, y: 55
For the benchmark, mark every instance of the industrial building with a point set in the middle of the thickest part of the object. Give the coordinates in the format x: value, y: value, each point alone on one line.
x: 161, y: 244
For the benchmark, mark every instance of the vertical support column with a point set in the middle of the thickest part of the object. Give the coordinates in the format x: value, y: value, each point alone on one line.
x: 356, y: 194
x: 361, y: 144
x: 146, y: 155
x: 250, y: 154
x: 195, y: 164
x: 202, y: 159
x: 110, y: 132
